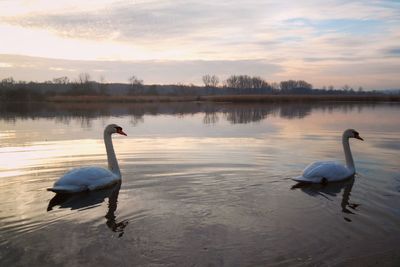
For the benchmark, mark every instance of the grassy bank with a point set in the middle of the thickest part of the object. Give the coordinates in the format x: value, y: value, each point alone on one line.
x: 301, y: 98
x: 225, y: 98
x: 121, y: 99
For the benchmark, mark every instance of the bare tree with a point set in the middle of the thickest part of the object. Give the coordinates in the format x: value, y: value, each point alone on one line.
x: 103, y: 86
x: 206, y: 80
x: 61, y: 80
x: 135, y: 81
x: 83, y: 85
x: 136, y: 85
x: 7, y: 81
x: 275, y: 86
x: 298, y: 86
x: 84, y: 77
x: 248, y: 84
x: 304, y: 84
x: 258, y: 83
x: 210, y: 80
x: 214, y: 81
x: 5, y: 85
x: 239, y: 81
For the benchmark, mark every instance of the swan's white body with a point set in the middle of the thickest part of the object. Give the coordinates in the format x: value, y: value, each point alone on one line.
x: 85, y: 179
x: 92, y: 178
x: 329, y: 171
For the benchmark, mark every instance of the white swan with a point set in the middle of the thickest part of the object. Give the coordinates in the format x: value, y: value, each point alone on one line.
x: 92, y: 178
x: 329, y: 171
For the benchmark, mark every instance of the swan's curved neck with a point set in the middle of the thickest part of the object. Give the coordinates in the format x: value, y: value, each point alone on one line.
x: 112, y: 159
x: 347, y: 153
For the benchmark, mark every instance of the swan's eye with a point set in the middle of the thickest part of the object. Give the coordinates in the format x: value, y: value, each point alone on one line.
x: 118, y: 128
x: 356, y: 133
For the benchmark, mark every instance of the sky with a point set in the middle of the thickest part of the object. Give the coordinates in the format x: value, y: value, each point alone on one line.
x: 326, y: 42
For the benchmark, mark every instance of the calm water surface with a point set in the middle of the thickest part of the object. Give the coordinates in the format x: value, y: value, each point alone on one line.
x: 203, y: 185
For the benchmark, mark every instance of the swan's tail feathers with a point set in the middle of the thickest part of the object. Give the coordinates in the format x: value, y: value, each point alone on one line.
x: 301, y: 179
x: 67, y: 189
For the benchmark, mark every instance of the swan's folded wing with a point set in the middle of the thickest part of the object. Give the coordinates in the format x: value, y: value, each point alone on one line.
x: 102, y: 183
x: 330, y: 170
x: 88, y: 178
x: 67, y: 188
x: 316, y: 168
x: 86, y: 174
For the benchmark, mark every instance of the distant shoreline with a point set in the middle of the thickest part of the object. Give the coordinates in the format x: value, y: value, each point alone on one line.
x: 224, y: 98
x: 210, y: 99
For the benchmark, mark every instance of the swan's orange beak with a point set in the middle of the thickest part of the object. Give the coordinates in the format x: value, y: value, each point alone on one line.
x: 121, y: 132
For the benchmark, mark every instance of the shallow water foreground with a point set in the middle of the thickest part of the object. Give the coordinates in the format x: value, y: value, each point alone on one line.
x: 203, y: 185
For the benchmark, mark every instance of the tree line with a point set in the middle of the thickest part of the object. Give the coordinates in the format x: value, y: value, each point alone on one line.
x: 233, y: 85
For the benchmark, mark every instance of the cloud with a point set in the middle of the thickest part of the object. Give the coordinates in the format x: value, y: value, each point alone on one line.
x: 393, y: 52
x: 149, y: 21
x: 153, y: 19
x: 5, y: 65
x: 321, y: 59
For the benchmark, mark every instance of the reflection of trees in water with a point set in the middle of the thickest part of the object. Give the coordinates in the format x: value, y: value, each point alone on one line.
x: 211, y: 114
x: 235, y: 113
x: 247, y: 114
x: 85, y: 122
x: 296, y: 110
x: 135, y: 119
x: 61, y: 113
x: 210, y: 118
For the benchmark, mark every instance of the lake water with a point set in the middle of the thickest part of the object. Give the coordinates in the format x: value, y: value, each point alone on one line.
x: 203, y: 185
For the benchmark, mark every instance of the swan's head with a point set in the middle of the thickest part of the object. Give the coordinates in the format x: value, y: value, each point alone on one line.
x: 113, y: 128
x: 351, y: 133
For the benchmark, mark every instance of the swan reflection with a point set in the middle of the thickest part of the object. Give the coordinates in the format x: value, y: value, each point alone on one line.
x: 89, y: 200
x: 332, y: 190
